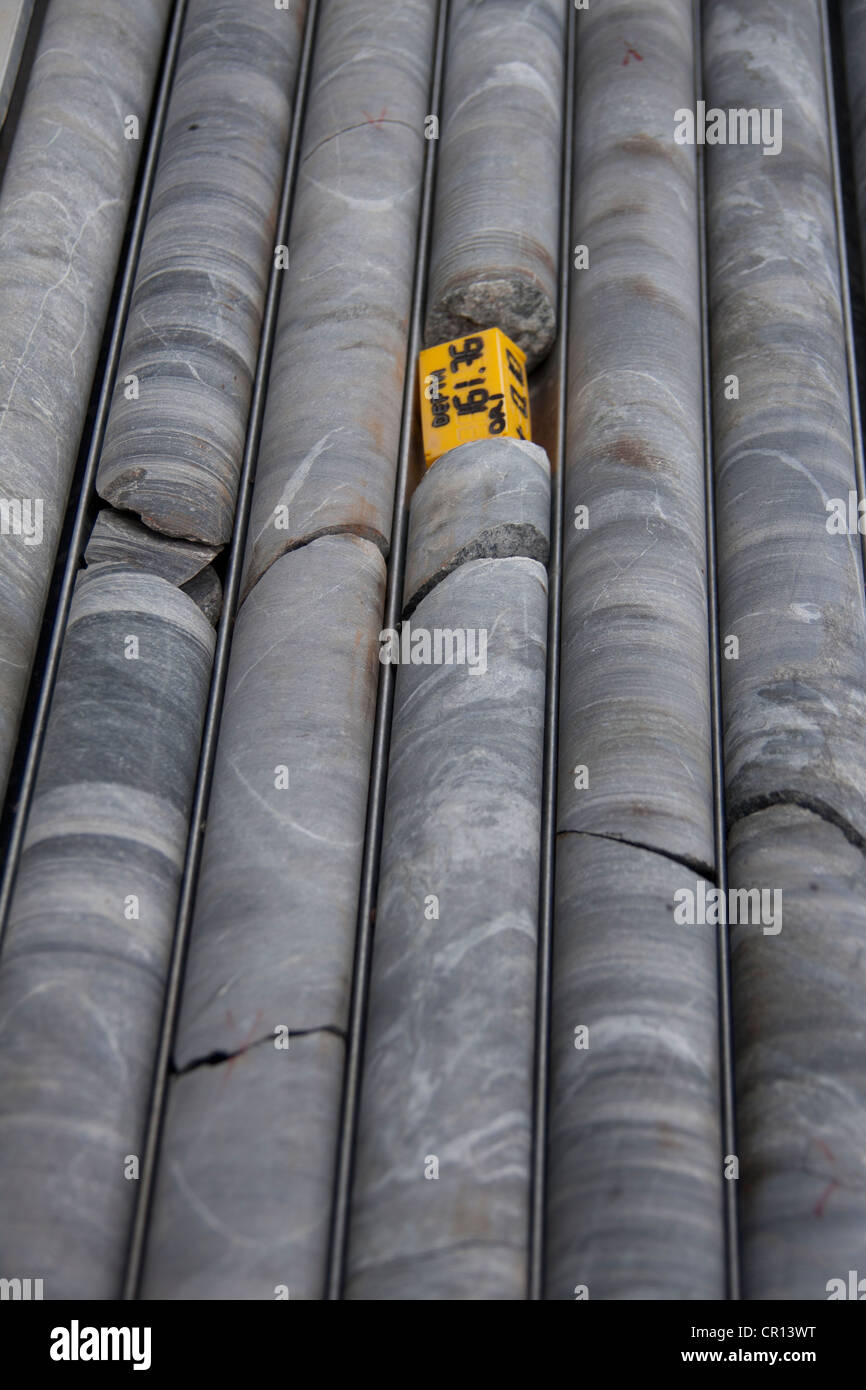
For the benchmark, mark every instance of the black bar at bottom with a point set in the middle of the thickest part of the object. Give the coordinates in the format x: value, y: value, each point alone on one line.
x: 66, y: 1338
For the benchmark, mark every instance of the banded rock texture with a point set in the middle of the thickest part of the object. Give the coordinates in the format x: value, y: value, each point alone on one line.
x: 462, y: 823
x: 84, y: 962
x: 174, y: 453
x: 274, y: 930
x: 635, y: 1153
x: 496, y: 231
x: 119, y: 538
x: 800, y: 1048
x: 635, y: 704
x: 635, y: 1166
x: 63, y: 208
x: 791, y: 591
x: 274, y: 927
x: 450, y: 1029
x: 332, y: 424
x: 122, y: 540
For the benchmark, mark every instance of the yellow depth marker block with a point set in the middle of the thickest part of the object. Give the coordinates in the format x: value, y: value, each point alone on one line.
x: 472, y: 388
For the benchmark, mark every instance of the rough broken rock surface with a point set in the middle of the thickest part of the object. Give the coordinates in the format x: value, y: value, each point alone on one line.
x: 206, y: 591
x: 490, y: 499
x: 83, y: 968
x: 496, y: 230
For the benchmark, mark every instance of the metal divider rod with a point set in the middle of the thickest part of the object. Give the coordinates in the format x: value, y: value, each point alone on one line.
x: 726, y: 1028
x: 547, y: 879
